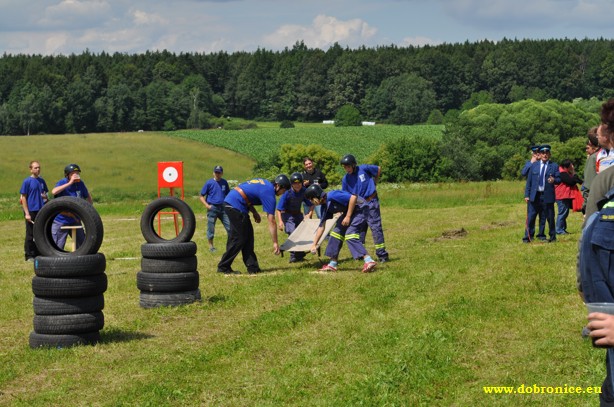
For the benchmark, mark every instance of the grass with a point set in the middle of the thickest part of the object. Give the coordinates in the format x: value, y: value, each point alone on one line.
x: 447, y: 316
x: 451, y: 313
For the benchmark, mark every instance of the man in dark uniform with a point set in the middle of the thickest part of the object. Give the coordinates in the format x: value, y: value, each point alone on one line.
x: 238, y: 203
x: 360, y: 180
x: 539, y: 195
x: 535, y: 156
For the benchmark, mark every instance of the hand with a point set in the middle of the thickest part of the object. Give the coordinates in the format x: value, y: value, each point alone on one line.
x: 29, y: 219
x: 346, y: 221
x: 306, y: 183
x: 280, y: 226
x: 313, y: 249
x: 276, y: 250
x: 550, y: 179
x: 526, y: 199
x: 256, y: 217
x: 602, y: 328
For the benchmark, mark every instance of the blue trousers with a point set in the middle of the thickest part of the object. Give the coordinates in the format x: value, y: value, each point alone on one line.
x: 564, y: 206
x: 350, y: 234
x: 374, y: 222
x: 59, y: 235
x: 216, y: 212
x: 291, y: 222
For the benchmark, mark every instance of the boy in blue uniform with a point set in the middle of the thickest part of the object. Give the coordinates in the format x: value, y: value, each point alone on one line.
x: 238, y: 203
x: 360, y: 180
x: 70, y: 185
x: 215, y: 190
x: 347, y: 228
x: 289, y: 214
x: 33, y: 195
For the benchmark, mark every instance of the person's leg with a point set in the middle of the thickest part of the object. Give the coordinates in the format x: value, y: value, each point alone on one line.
x: 543, y: 216
x: 236, y: 239
x: 551, y: 221
x: 249, y: 255
x: 374, y: 219
x: 563, y: 211
x: 30, y: 249
x: 529, y: 229
x: 211, y: 217
x: 58, y: 235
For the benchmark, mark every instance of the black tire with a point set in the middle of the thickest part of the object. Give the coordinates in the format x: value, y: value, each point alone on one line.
x: 85, y: 286
x: 70, y: 266
x: 157, y: 299
x: 63, y: 341
x: 69, y: 323
x: 62, y: 306
x: 166, y: 282
x: 168, y: 250
x: 149, y: 217
x: 177, y: 265
x: 90, y: 219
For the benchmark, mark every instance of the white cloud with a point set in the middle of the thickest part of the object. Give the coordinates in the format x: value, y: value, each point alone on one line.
x: 75, y: 14
x: 323, y: 32
x: 143, y: 18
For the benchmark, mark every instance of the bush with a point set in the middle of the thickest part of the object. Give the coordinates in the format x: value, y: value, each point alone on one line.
x: 291, y: 160
x: 286, y: 124
x: 347, y: 116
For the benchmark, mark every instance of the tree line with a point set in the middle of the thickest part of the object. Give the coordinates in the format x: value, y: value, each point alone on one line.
x: 400, y: 85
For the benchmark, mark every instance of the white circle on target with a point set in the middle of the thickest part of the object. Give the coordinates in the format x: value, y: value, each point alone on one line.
x: 170, y: 174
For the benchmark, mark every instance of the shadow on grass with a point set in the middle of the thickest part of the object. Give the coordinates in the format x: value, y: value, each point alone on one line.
x: 117, y: 335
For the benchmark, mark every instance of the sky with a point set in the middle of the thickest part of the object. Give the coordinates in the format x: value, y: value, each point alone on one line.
x: 63, y: 27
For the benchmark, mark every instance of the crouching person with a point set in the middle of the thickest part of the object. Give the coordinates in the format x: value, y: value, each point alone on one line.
x: 349, y: 224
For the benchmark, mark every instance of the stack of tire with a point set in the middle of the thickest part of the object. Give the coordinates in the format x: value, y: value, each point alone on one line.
x: 169, y: 267
x: 68, y: 287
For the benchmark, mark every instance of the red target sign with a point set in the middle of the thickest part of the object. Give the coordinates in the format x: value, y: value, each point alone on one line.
x: 170, y: 174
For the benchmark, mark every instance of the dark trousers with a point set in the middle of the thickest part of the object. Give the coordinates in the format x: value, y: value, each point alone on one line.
x: 29, y: 247
x: 545, y: 212
x: 240, y: 240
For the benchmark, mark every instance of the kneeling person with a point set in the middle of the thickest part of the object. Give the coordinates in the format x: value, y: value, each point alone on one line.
x: 348, y: 226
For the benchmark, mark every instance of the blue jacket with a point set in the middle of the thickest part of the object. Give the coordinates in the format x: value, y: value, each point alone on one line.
x: 532, y: 184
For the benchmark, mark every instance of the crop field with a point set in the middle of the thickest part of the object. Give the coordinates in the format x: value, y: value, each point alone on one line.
x: 261, y: 143
x: 463, y: 306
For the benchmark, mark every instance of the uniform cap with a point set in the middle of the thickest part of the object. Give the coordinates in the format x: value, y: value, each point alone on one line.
x: 218, y: 168
x: 535, y: 148
x: 544, y: 148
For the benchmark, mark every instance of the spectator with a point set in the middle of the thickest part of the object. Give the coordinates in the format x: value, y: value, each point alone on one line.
x: 590, y: 167
x: 289, y: 214
x: 312, y: 175
x: 361, y: 180
x: 347, y: 227
x: 535, y: 156
x: 33, y: 195
x: 70, y: 185
x: 565, y: 193
x: 238, y: 203
x: 605, y: 156
x: 604, y: 180
x: 539, y: 194
x: 212, y: 196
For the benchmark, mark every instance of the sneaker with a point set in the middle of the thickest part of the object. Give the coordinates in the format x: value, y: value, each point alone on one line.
x: 328, y: 267
x: 255, y: 271
x: 368, y: 267
x: 384, y: 259
x: 212, y: 249
x: 30, y: 259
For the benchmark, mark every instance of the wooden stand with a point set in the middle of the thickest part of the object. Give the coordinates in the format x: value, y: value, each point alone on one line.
x: 73, y: 234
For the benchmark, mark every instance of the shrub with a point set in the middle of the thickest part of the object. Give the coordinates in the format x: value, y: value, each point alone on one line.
x: 346, y: 116
x: 291, y: 160
x: 286, y: 124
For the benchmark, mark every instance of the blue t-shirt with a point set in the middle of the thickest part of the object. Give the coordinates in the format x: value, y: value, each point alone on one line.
x: 361, y: 182
x: 337, y: 201
x: 259, y: 192
x: 291, y: 200
x: 78, y: 190
x: 33, y: 189
x: 215, y: 191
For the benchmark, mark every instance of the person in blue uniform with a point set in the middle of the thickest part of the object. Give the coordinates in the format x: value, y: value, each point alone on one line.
x: 289, y: 214
x: 70, y: 185
x: 212, y: 196
x: 361, y: 180
x: 347, y: 228
x: 535, y: 156
x: 238, y: 203
x: 540, y: 196
x: 33, y: 195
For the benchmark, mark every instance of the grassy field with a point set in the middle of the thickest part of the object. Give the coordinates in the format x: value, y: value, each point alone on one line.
x: 462, y: 305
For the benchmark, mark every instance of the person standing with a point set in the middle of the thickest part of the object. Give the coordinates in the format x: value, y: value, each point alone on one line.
x: 70, y: 185
x: 361, y: 180
x: 605, y: 156
x: 33, y: 195
x: 565, y: 193
x: 311, y: 176
x: 539, y: 194
x: 535, y: 156
x: 212, y: 196
x: 238, y: 203
x: 590, y: 167
x: 289, y: 214
x: 347, y: 227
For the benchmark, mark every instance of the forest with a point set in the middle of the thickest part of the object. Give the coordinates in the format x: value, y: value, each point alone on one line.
x: 161, y: 90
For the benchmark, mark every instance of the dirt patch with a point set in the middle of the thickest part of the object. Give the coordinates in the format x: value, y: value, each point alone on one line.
x: 496, y: 225
x: 452, y: 234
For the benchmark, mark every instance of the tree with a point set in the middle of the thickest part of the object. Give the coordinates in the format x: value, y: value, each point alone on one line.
x: 347, y: 116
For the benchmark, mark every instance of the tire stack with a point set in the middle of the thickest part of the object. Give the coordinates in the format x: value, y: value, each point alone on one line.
x: 68, y: 287
x: 169, y: 267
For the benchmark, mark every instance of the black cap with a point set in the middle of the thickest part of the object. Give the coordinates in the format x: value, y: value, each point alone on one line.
x: 218, y: 168
x: 535, y: 148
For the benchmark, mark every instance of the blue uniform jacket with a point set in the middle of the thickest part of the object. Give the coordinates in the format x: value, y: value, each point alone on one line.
x: 533, y: 181
x: 259, y: 192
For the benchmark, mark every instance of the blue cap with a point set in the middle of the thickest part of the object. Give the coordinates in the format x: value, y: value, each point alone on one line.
x: 218, y: 168
x: 535, y: 148
x: 545, y: 148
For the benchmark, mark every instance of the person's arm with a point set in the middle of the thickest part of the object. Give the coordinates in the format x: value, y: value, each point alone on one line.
x: 255, y: 214
x: 26, y: 210
x: 204, y: 201
x: 348, y: 215
x: 602, y: 328
x: 273, y: 232
x: 316, y: 239
x: 280, y: 221
x: 57, y: 189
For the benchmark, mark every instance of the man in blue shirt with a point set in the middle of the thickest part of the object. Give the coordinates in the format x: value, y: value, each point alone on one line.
x: 348, y: 226
x: 360, y: 180
x: 212, y: 196
x: 70, y: 185
x: 33, y: 195
x: 238, y: 203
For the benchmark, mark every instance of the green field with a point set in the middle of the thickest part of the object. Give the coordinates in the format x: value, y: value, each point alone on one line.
x: 462, y: 305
